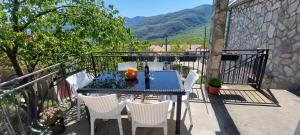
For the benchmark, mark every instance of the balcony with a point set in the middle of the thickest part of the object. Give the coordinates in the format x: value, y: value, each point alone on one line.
x: 243, y: 106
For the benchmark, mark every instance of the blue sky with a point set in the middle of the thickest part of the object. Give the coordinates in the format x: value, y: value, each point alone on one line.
x: 132, y: 8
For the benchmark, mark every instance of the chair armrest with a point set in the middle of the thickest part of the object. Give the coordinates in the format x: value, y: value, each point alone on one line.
x: 122, y: 104
x: 170, y: 106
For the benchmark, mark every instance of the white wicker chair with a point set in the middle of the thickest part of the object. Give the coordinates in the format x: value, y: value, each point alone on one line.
x: 149, y: 115
x: 155, y: 66
x: 77, y: 81
x: 190, y: 80
x: 124, y: 66
x: 104, y: 107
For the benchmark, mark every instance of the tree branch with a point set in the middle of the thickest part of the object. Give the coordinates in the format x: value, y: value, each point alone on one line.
x: 41, y: 14
x: 3, y: 49
x: 22, y: 1
x: 14, y: 15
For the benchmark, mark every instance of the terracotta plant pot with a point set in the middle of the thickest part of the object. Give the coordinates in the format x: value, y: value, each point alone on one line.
x: 214, y: 90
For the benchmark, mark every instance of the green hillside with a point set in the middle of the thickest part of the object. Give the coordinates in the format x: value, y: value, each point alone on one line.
x: 185, y: 25
x: 194, y: 35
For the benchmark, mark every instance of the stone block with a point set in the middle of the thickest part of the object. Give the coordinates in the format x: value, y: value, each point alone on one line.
x: 292, y: 33
x: 288, y: 71
x: 271, y: 31
x: 296, y: 46
x: 298, y: 75
x: 258, y: 8
x: 298, y: 27
x: 287, y: 55
x: 268, y: 17
x: 292, y: 8
x: 295, y: 58
x: 276, y: 5
x: 275, y: 17
x: 297, y: 37
x: 277, y: 42
x: 276, y: 60
x: 286, y: 62
x: 271, y: 47
x: 294, y: 66
x: 289, y: 22
x: 260, y: 21
x: 281, y: 26
x: 268, y: 5
x: 290, y: 1
x: 264, y: 27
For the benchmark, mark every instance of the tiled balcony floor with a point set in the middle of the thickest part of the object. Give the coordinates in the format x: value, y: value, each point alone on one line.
x: 236, y: 111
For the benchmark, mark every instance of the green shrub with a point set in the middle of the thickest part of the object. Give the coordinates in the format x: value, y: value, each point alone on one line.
x: 215, y: 82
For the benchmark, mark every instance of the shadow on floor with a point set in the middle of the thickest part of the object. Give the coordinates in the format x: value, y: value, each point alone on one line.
x: 225, y: 122
x: 244, y: 97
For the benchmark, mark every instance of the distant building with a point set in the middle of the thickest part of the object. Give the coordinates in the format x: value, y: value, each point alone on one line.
x: 158, y: 48
x: 193, y: 48
x: 168, y: 48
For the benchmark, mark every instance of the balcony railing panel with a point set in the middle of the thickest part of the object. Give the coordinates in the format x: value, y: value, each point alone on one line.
x: 22, y: 99
x: 243, y: 66
x: 183, y: 62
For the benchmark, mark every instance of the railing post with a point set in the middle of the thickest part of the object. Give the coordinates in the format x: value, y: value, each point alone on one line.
x: 94, y: 66
x: 265, y: 54
x: 62, y: 68
x: 204, y: 41
x: 8, y: 123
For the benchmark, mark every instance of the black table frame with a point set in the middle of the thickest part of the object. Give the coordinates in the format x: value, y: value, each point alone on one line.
x: 178, y: 92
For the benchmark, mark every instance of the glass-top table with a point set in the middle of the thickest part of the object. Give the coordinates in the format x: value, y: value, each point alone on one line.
x: 160, y: 82
x: 166, y: 82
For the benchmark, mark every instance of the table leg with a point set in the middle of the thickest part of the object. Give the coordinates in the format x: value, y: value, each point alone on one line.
x: 88, y: 115
x: 178, y: 114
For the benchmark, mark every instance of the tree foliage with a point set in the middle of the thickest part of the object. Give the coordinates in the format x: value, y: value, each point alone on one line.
x: 36, y: 33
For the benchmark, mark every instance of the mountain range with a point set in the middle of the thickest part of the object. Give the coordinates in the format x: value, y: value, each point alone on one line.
x: 171, y: 24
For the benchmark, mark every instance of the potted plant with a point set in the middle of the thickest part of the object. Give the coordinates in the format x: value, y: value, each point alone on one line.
x: 53, y: 118
x: 184, y: 70
x: 214, y: 86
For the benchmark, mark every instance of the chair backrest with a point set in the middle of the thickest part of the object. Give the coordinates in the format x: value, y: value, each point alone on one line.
x: 149, y: 114
x: 190, y: 80
x: 79, y: 80
x: 155, y: 66
x: 124, y: 66
x: 101, y: 104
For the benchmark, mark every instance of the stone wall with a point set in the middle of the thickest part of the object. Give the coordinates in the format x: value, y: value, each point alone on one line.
x: 275, y: 25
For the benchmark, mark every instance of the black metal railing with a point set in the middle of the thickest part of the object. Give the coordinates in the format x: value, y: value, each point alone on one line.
x: 22, y: 99
x: 243, y: 66
x: 183, y: 62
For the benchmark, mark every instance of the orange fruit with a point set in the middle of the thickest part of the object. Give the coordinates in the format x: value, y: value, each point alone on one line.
x: 130, y: 75
x: 134, y: 70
